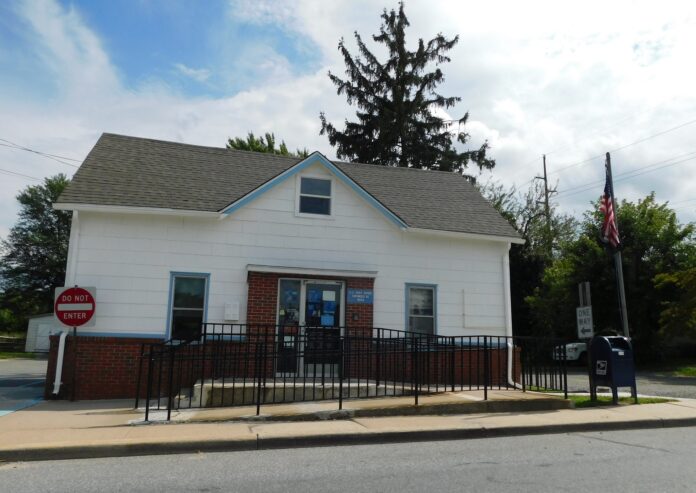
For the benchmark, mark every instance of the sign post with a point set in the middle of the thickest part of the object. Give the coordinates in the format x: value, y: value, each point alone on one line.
x: 75, y: 307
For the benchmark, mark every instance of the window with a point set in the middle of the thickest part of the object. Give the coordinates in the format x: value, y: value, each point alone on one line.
x: 421, y: 301
x: 315, y: 196
x: 188, y: 305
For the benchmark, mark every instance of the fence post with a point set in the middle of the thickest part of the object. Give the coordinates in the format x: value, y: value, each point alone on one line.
x: 340, y: 375
x: 258, y: 378
x: 378, y: 361
x: 485, y: 368
x: 565, y: 372
x: 414, y: 367
x: 452, y: 372
x: 150, y: 364
x: 171, y: 382
x: 140, y: 375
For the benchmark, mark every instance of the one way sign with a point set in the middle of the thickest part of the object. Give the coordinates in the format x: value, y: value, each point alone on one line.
x: 584, y: 317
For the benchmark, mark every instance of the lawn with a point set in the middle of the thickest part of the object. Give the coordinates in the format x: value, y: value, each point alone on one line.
x: 688, y: 370
x: 16, y: 354
x: 581, y: 401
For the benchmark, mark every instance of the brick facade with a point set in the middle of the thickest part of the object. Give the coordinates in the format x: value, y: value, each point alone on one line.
x: 263, y: 298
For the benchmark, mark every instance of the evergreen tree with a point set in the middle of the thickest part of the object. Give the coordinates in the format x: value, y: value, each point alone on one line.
x: 258, y: 144
x: 34, y: 253
x: 396, y: 124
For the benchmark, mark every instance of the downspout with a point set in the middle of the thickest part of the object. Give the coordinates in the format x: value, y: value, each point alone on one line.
x: 59, y: 362
x: 73, y: 248
x: 508, y: 317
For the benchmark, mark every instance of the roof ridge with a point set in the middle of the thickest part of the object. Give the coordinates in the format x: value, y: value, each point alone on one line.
x: 384, y: 166
x: 202, y: 148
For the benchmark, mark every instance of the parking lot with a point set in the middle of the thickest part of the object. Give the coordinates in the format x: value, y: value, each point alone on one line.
x: 21, y: 383
x: 648, y: 383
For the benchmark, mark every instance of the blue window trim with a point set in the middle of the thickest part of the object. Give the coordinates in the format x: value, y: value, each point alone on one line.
x: 315, y: 157
x: 174, y: 274
x: 420, y: 285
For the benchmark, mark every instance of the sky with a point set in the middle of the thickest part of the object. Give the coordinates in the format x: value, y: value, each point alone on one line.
x: 571, y: 80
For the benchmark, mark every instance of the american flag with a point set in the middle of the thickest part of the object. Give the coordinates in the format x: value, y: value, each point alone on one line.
x: 610, y: 232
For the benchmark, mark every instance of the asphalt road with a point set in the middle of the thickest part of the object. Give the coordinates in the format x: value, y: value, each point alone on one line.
x: 636, y: 461
x: 21, y: 383
x: 648, y: 383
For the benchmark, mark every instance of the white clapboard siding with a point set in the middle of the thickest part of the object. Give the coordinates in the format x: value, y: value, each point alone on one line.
x: 129, y: 257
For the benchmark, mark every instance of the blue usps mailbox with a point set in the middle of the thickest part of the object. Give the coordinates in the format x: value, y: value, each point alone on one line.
x: 612, y: 366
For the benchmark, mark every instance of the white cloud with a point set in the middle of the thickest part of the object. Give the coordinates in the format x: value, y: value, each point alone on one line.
x: 198, y: 74
x: 549, y: 78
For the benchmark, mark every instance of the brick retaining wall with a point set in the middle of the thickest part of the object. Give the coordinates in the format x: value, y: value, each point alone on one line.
x: 106, y: 367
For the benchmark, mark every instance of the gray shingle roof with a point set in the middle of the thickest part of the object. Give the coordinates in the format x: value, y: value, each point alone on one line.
x: 137, y: 172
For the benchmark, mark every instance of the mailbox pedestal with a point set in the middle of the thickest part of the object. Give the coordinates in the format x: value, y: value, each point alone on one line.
x: 612, y: 366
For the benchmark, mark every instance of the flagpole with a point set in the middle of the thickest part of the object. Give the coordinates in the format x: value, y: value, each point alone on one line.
x: 618, y: 264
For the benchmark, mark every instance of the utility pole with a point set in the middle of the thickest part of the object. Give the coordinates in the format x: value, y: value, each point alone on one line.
x: 547, y: 209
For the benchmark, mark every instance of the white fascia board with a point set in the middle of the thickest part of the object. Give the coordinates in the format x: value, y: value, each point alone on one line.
x: 310, y: 271
x: 122, y: 209
x: 466, y: 236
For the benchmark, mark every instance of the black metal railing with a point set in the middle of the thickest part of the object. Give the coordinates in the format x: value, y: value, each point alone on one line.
x: 255, y: 365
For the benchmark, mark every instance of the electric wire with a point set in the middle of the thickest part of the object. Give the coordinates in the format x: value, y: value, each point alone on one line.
x: 54, y: 157
x: 632, y: 174
x: 22, y: 175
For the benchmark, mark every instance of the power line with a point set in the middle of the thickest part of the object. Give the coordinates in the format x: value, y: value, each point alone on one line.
x: 54, y: 157
x: 632, y: 174
x: 596, y: 182
x: 691, y: 122
x: 40, y: 152
x: 8, y: 172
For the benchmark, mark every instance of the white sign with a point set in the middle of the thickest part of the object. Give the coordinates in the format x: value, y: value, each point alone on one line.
x: 601, y: 367
x: 584, y: 317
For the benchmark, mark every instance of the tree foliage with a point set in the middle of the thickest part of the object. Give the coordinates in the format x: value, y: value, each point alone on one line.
x: 265, y: 144
x: 34, y: 253
x: 543, y: 240
x: 653, y: 243
x: 396, y: 99
x: 678, y: 316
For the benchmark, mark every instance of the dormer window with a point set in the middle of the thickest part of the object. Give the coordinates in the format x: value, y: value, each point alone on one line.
x: 315, y: 196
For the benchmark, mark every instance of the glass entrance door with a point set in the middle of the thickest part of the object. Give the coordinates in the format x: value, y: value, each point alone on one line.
x: 323, y: 304
x: 310, y: 314
x: 322, y: 327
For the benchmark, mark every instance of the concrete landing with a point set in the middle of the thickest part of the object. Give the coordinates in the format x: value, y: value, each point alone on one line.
x: 469, y: 402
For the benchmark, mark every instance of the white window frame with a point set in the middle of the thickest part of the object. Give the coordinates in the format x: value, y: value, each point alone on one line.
x: 172, y: 287
x: 407, y: 307
x: 298, y: 194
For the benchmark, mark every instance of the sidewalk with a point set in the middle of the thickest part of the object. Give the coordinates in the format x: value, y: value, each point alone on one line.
x: 63, y: 430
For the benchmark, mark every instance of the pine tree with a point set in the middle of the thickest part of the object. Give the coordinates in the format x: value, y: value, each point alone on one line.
x: 395, y: 99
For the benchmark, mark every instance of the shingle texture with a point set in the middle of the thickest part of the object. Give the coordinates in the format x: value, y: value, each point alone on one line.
x: 137, y: 172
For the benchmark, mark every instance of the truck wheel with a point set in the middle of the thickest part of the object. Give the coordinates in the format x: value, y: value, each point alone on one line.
x: 582, y: 359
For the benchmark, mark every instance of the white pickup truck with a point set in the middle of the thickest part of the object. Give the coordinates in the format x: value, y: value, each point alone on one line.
x: 575, y: 352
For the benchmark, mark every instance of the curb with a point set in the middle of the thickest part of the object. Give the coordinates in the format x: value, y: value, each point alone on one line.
x: 161, y: 448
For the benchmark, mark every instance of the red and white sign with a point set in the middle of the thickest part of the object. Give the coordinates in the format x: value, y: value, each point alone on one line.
x: 75, y: 306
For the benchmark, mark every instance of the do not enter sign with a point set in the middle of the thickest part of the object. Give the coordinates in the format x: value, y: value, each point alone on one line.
x: 75, y: 306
